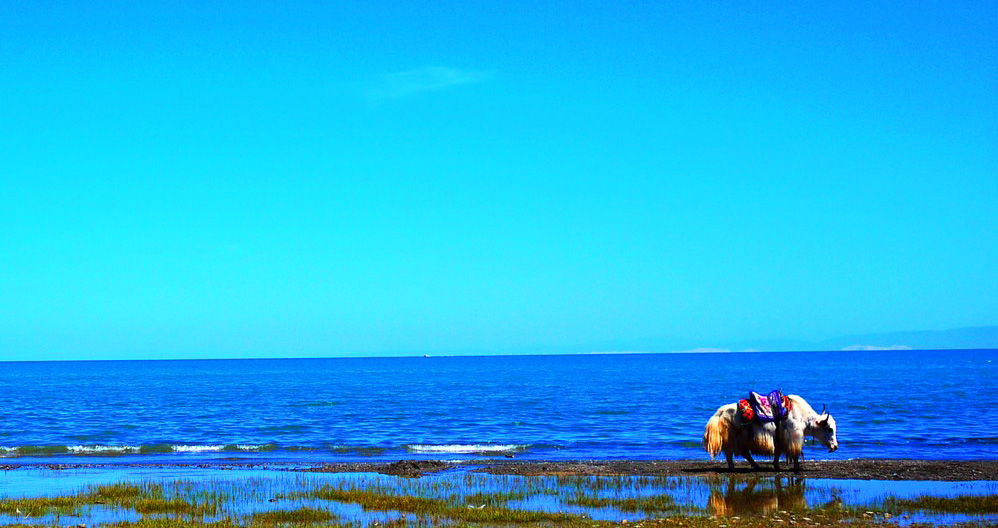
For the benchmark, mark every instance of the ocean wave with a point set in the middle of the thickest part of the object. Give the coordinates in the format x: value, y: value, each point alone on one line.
x: 113, y: 450
x: 198, y: 448
x: 982, y: 440
x: 193, y: 449
x: 102, y: 449
x: 466, y: 448
x: 43, y: 450
x: 358, y: 450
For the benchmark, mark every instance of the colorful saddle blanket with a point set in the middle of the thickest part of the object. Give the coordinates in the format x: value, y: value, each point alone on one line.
x: 769, y: 408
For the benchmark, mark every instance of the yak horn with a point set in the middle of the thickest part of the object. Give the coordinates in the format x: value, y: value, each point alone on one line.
x: 823, y: 407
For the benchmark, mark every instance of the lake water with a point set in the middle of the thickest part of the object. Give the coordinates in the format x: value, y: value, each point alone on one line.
x: 890, y: 404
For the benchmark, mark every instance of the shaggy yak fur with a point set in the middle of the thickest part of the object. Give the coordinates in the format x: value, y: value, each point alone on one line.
x: 726, y: 432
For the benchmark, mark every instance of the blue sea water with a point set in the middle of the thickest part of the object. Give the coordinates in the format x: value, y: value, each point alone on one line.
x: 888, y: 404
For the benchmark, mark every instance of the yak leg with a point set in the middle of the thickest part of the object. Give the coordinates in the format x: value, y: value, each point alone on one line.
x: 745, y: 445
x: 777, y: 444
x: 731, y: 460
x: 796, y: 460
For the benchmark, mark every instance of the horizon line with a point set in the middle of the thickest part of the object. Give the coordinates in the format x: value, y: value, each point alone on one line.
x: 478, y: 355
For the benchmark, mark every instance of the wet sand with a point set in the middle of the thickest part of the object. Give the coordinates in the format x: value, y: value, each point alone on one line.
x: 864, y: 469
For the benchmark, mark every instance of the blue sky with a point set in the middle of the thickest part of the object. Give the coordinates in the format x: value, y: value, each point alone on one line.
x: 241, y: 179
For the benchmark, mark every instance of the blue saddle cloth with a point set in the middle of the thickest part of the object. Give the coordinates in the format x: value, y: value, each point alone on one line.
x: 769, y: 408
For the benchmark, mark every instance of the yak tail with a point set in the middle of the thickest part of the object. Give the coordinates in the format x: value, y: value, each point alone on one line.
x: 715, y: 434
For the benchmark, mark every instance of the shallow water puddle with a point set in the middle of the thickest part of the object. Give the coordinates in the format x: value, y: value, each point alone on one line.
x: 463, y: 496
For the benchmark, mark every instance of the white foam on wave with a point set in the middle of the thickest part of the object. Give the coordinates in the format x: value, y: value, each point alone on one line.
x: 252, y: 447
x: 465, y: 448
x: 102, y: 449
x: 219, y: 448
x: 68, y: 449
x: 126, y: 449
x: 197, y: 448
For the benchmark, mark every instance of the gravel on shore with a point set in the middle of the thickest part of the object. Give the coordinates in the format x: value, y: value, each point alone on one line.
x: 863, y: 469
x: 866, y: 469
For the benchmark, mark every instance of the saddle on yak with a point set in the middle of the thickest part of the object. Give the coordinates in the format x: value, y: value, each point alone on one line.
x: 772, y: 407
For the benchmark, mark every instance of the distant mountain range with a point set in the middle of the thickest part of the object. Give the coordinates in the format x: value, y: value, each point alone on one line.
x: 980, y: 337
x: 956, y: 338
x: 975, y: 337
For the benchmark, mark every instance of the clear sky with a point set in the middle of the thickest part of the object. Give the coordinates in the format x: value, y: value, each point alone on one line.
x: 248, y: 179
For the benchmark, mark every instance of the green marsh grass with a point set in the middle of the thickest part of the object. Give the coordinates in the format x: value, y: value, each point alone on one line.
x: 971, y: 504
x: 144, y: 498
x: 370, y: 500
x: 498, y: 498
x: 161, y: 522
x: 300, y: 516
x: 430, y: 507
x: 39, y: 506
x: 649, y: 504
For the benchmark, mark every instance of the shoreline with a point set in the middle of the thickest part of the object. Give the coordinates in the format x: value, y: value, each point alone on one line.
x: 857, y: 469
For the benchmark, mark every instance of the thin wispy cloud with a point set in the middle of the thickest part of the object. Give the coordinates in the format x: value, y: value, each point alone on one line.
x: 431, y: 79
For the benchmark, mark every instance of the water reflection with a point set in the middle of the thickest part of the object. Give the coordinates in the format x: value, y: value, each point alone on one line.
x: 755, y: 496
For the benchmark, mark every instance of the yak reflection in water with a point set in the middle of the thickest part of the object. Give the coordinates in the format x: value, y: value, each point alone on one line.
x: 757, y: 496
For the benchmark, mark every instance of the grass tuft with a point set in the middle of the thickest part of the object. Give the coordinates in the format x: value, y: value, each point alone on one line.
x: 431, y: 507
x: 652, y: 504
x: 143, y: 498
x: 960, y: 504
x: 39, y: 506
x: 371, y: 500
x: 300, y: 516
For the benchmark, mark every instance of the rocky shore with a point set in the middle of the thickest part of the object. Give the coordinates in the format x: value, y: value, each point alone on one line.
x: 866, y: 469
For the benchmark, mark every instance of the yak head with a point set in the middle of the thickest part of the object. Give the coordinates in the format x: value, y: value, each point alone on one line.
x: 824, y: 430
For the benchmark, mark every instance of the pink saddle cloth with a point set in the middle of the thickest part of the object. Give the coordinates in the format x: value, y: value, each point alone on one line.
x: 771, y: 407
